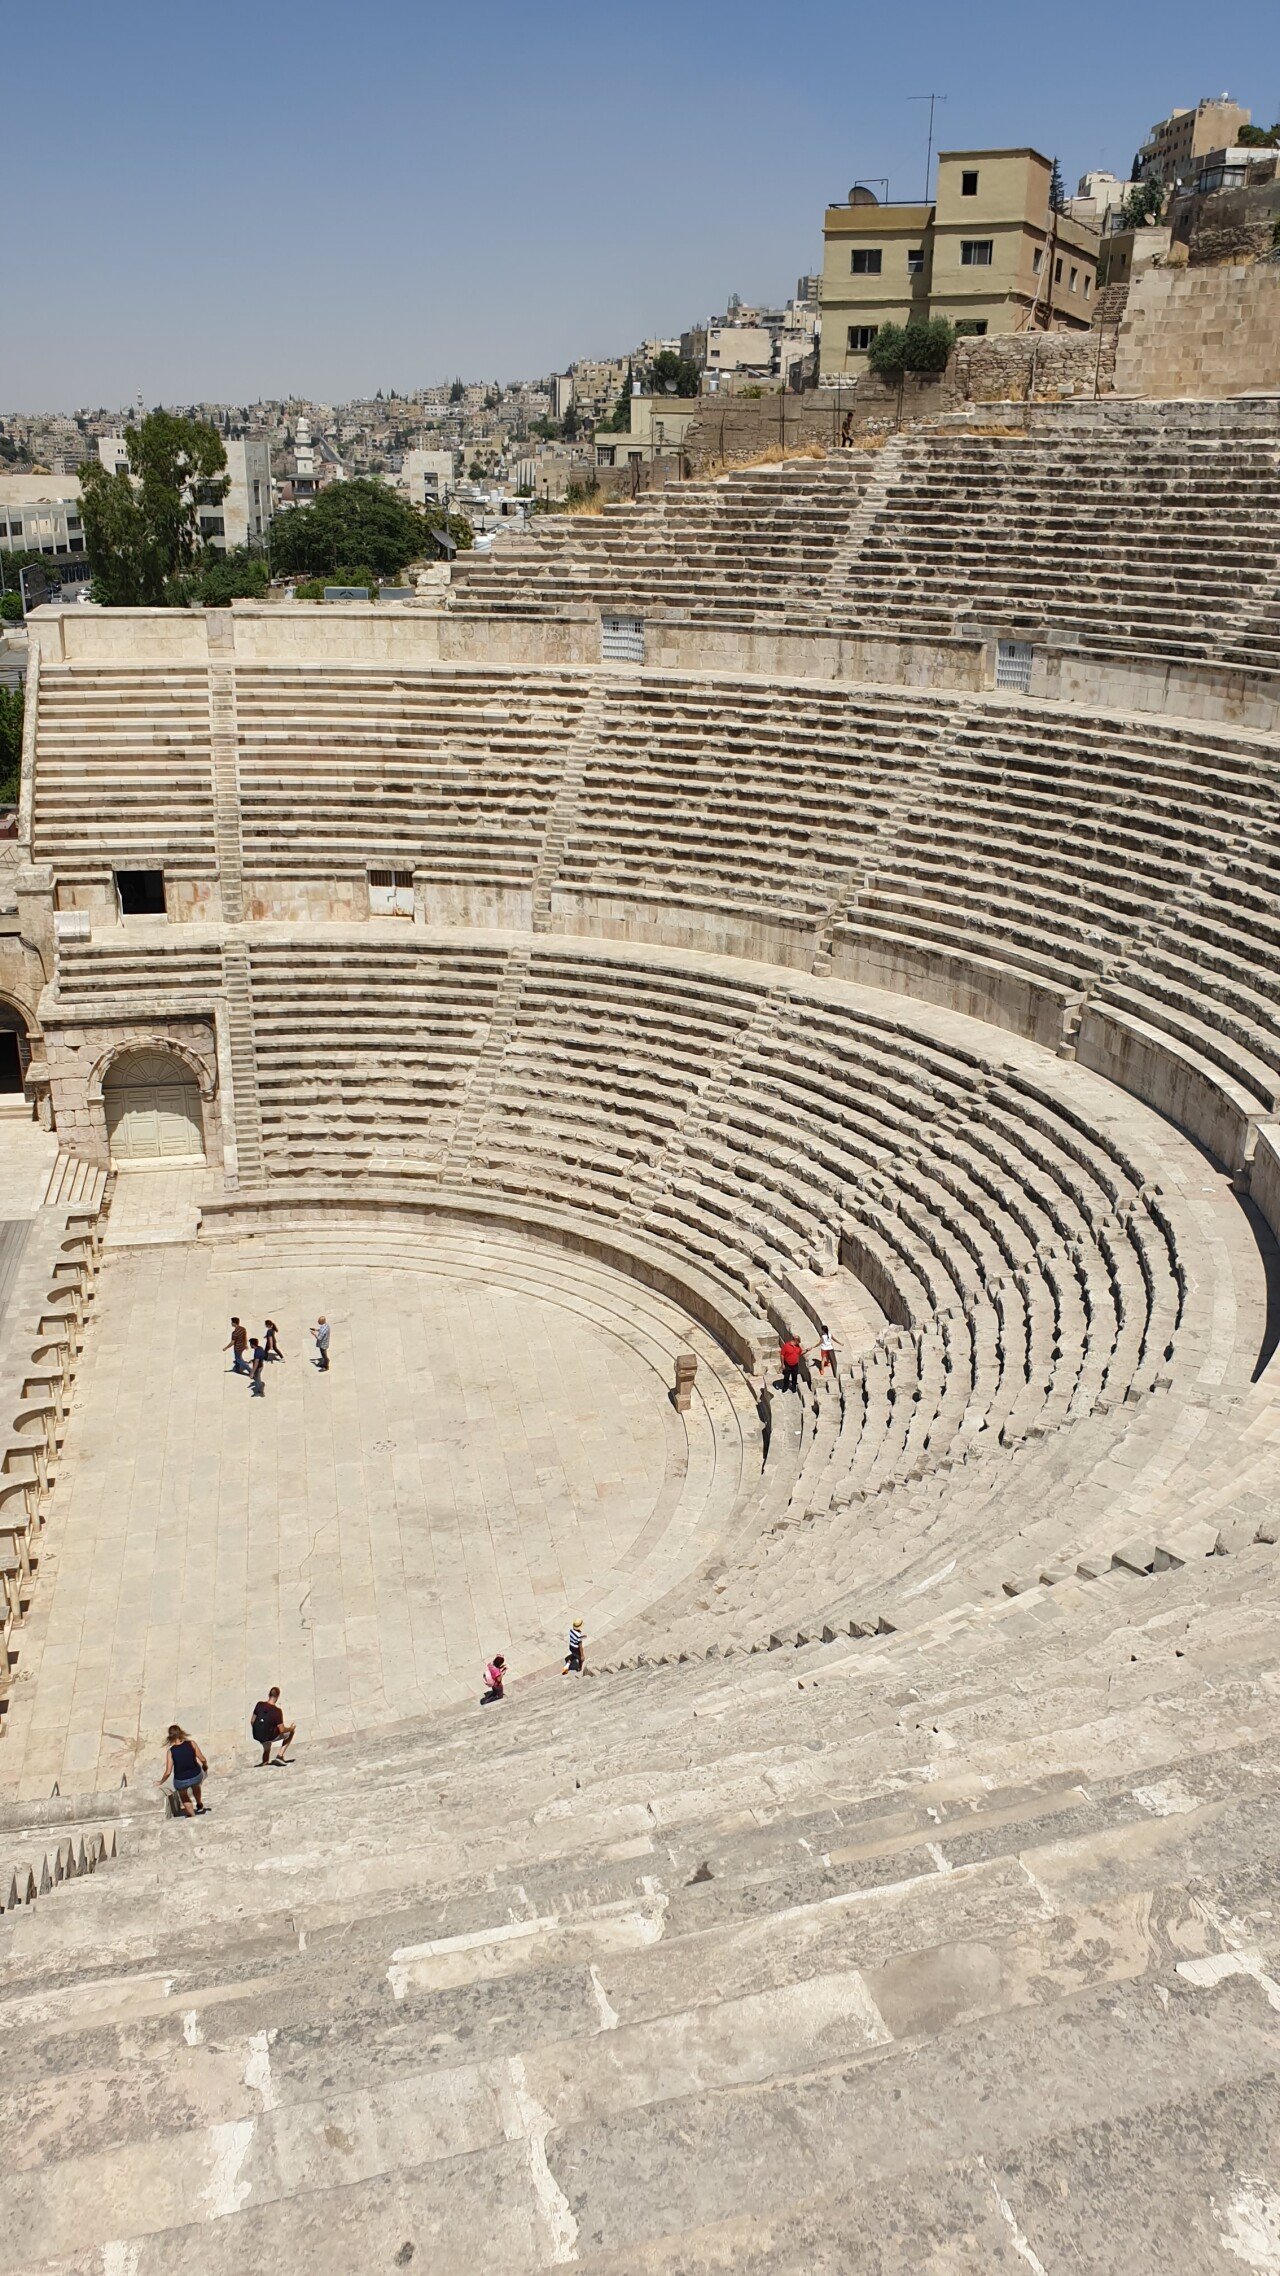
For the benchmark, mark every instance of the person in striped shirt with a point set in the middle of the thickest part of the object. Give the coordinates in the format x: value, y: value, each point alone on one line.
x: 577, y: 1659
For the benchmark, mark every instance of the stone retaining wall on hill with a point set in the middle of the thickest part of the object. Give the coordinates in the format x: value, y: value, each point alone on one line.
x: 1206, y: 332
x: 1038, y: 366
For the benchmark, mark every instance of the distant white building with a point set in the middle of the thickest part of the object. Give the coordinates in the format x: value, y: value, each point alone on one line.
x: 40, y: 513
x: 427, y: 476
x: 243, y: 517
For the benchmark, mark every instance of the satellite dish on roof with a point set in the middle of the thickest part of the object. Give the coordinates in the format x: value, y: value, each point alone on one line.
x: 861, y: 195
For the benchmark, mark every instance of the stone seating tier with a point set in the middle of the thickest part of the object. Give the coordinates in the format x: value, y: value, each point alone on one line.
x: 1129, y: 543
x: 131, y: 745
x: 745, y: 1129
x: 871, y: 1899
x: 448, y: 772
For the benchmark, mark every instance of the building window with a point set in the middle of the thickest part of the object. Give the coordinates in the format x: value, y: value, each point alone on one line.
x: 1075, y: 277
x: 969, y: 183
x: 141, y: 892
x: 866, y: 261
x: 977, y: 252
x: 606, y: 455
x: 211, y: 525
x: 971, y: 327
x: 861, y: 337
x: 1037, y: 261
x: 1088, y: 285
x: 635, y: 458
x: 915, y: 261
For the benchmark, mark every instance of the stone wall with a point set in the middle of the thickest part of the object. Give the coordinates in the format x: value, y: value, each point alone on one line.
x: 77, y: 1057
x: 1001, y: 368
x: 1201, y: 331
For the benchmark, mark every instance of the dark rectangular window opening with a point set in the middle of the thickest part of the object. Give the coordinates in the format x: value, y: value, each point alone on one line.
x: 915, y: 261
x: 969, y: 183
x: 977, y: 252
x: 866, y: 261
x: 141, y: 892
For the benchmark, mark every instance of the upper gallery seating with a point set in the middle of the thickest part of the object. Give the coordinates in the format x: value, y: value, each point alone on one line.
x: 1160, y: 543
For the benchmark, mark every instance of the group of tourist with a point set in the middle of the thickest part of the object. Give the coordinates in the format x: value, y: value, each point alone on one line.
x: 186, y: 1765
x: 791, y: 1353
x: 249, y: 1354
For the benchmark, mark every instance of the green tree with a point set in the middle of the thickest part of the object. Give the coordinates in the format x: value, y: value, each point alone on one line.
x: 142, y: 524
x: 922, y: 345
x: 457, y: 392
x: 10, y: 744
x: 1143, y: 202
x: 221, y: 578
x: 1259, y: 137
x: 350, y: 521
x: 670, y: 374
x: 619, y: 419
x: 10, y: 608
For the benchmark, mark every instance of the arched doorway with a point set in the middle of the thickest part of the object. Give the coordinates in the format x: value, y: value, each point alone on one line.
x: 15, y: 1052
x: 153, y: 1109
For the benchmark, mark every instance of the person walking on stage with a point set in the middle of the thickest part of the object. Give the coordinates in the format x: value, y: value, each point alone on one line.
x: 320, y: 1336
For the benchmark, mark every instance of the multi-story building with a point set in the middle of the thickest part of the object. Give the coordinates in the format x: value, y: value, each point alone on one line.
x: 990, y: 254
x: 243, y: 517
x: 1175, y: 146
x: 428, y: 476
x: 40, y: 513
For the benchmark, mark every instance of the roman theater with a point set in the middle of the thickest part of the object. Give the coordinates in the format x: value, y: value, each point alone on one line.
x: 840, y: 893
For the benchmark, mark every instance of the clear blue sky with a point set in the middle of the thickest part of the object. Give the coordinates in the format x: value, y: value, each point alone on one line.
x: 319, y: 199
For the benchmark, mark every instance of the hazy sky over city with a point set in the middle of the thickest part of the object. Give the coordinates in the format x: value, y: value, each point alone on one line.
x: 323, y: 200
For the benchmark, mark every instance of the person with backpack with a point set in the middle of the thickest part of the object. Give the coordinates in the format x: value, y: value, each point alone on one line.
x: 186, y: 1764
x: 495, y: 1675
x: 268, y: 1726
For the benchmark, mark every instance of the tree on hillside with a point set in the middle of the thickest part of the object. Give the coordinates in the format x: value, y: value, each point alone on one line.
x: 142, y: 523
x: 1143, y: 202
x: 10, y: 744
x: 1259, y: 137
x: 350, y: 521
x: 619, y: 419
x: 670, y: 374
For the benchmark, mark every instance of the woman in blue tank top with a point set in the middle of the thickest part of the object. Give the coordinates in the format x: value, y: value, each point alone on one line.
x: 187, y: 1767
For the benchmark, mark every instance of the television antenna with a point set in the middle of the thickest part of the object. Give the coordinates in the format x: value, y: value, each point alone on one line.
x: 932, y: 101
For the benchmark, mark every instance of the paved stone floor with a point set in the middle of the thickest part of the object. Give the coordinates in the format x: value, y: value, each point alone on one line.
x: 492, y: 1452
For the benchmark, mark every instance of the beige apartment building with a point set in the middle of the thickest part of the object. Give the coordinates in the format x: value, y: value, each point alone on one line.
x: 1175, y: 145
x: 989, y: 254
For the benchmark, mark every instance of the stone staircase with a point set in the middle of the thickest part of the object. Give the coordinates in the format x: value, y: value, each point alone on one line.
x: 957, y: 1942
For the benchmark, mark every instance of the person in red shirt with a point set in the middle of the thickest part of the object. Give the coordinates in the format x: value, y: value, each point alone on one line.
x: 791, y: 1353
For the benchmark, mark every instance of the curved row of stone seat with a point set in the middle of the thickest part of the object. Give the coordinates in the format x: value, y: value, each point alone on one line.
x: 551, y: 1955
x: 1106, y: 871
x: 743, y: 543
x: 123, y: 753
x: 741, y: 796
x: 448, y: 771
x: 1129, y: 541
x: 750, y: 1129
